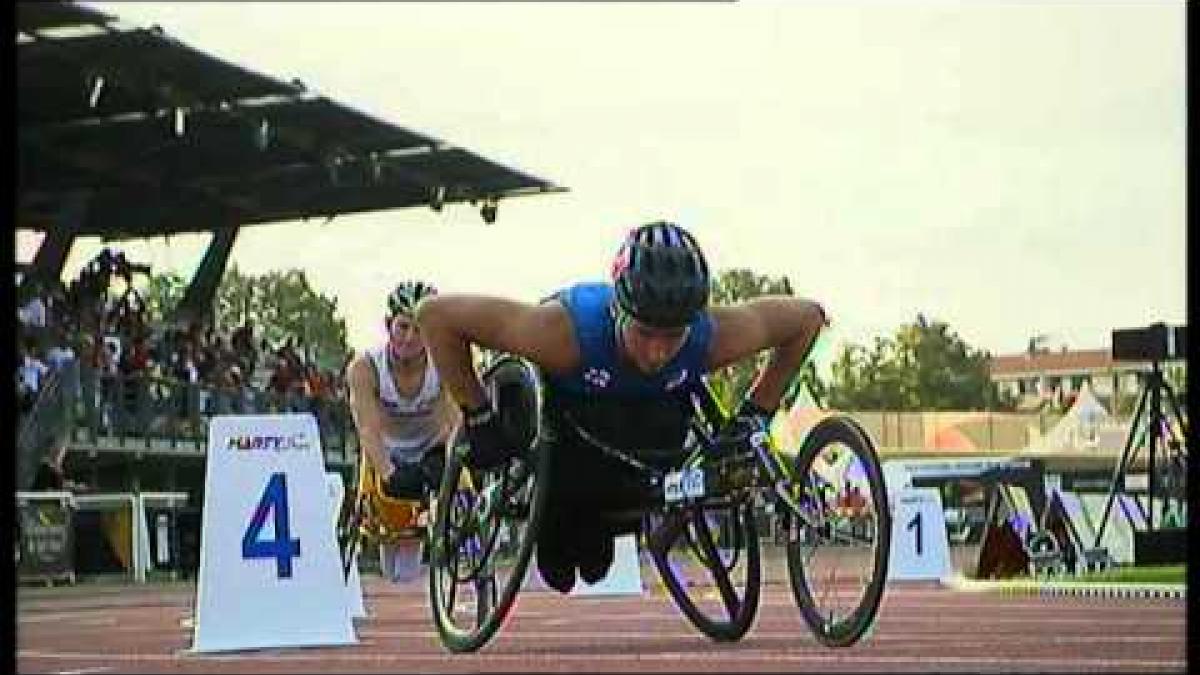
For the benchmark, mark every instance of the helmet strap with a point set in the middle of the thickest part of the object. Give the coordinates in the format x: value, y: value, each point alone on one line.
x: 621, y: 320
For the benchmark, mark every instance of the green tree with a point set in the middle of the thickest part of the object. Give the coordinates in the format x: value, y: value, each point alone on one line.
x: 925, y: 366
x: 731, y: 383
x: 282, y: 306
x: 162, y: 293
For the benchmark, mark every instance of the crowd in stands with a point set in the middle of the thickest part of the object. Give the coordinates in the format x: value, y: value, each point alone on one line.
x: 117, y: 366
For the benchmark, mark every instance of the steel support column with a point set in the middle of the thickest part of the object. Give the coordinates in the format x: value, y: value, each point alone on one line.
x: 198, y: 298
x: 51, y: 256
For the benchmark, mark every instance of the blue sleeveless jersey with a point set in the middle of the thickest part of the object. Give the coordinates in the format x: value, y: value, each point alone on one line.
x: 601, y: 371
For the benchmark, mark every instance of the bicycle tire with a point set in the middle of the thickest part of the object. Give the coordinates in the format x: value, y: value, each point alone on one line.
x: 739, y: 621
x: 844, y: 430
x: 493, y: 603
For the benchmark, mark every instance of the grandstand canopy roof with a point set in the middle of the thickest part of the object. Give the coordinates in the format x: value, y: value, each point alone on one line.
x: 33, y: 16
x: 143, y: 135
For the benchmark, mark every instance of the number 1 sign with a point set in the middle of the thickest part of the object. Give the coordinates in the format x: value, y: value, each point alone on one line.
x: 270, y: 574
x: 920, y: 547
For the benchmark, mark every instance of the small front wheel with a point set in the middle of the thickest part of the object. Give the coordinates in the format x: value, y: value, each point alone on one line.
x: 839, y: 541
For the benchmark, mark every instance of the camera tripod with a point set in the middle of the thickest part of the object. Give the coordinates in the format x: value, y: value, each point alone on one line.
x: 1150, y: 420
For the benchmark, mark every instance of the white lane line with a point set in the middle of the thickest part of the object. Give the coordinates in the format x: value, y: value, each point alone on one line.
x: 886, y: 617
x: 1153, y: 616
x: 921, y: 618
x: 887, y: 609
x: 51, y: 617
x: 97, y: 622
x: 1000, y: 602
x: 891, y: 603
x: 877, y: 639
x: 680, y: 658
x: 82, y: 671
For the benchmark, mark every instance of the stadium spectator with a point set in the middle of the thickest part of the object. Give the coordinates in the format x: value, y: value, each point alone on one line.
x: 32, y: 314
x: 242, y: 343
x: 60, y: 354
x: 31, y: 372
x: 138, y: 378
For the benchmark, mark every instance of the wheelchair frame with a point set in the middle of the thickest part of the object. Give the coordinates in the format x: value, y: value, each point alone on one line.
x: 376, y: 517
x: 682, y: 497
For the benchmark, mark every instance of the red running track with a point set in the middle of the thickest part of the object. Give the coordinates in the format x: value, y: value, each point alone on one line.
x: 921, y: 628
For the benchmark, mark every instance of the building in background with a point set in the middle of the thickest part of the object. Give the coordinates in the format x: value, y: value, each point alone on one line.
x: 1057, y: 376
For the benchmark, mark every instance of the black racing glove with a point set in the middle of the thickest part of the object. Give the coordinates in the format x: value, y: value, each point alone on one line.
x: 416, y: 481
x: 735, y: 435
x: 405, y: 483
x: 489, y: 447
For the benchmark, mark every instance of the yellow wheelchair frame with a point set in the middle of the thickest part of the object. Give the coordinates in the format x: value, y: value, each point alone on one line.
x: 376, y: 517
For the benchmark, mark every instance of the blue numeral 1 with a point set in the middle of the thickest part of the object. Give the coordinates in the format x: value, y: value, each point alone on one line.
x: 282, y: 548
x: 915, y: 523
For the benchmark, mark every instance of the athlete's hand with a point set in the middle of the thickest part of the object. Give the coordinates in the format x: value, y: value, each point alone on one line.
x: 489, y: 447
x: 735, y: 435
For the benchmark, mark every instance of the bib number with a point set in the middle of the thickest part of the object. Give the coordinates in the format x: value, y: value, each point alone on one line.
x: 681, y: 485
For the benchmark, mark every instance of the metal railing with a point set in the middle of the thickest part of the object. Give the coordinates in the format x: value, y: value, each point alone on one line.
x: 47, y: 423
x: 144, y: 413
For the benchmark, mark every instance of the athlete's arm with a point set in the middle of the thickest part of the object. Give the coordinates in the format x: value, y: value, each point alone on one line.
x: 368, y: 413
x: 448, y: 414
x: 786, y: 325
x: 452, y: 322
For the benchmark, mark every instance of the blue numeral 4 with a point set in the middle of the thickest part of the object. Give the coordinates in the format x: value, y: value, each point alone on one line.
x: 282, y: 548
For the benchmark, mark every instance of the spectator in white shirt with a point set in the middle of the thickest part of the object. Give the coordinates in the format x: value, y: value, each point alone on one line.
x: 33, y: 313
x: 30, y: 374
x: 60, y: 354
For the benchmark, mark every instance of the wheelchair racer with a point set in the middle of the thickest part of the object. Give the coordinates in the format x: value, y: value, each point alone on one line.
x: 619, y: 360
x: 402, y: 413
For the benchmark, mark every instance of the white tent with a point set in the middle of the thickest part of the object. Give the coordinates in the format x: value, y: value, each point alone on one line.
x: 1087, y: 425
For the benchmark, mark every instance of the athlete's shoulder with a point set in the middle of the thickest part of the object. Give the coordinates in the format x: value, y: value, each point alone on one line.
x: 360, y: 361
x: 360, y: 377
x: 362, y: 369
x: 595, y: 288
x: 584, y: 296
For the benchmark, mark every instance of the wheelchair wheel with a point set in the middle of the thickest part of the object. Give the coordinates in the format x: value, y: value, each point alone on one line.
x: 371, y: 517
x: 350, y: 533
x: 837, y: 549
x: 709, y: 560
x: 484, y: 524
x: 353, y: 519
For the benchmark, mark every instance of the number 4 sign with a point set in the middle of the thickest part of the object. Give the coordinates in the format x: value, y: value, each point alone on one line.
x: 920, y: 548
x: 270, y: 571
x: 281, y: 547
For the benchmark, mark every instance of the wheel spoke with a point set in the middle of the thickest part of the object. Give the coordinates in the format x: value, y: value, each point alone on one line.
x: 728, y: 613
x: 716, y: 567
x: 451, y: 587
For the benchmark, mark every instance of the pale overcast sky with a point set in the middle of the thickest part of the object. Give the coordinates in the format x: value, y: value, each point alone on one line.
x: 1009, y: 168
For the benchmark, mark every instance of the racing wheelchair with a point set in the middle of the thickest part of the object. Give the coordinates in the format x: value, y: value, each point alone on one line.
x: 374, y: 516
x: 698, y: 521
